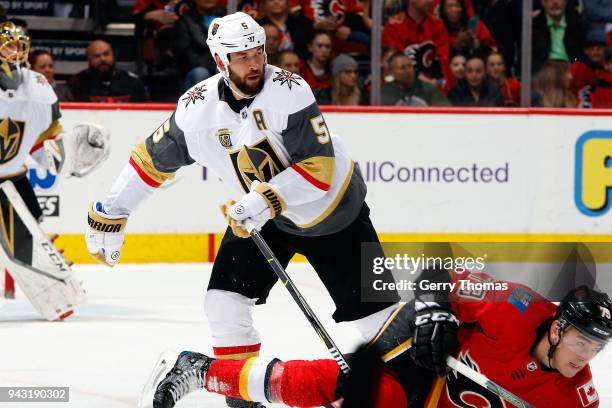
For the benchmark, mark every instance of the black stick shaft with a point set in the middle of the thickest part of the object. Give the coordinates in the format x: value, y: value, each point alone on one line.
x: 299, y: 299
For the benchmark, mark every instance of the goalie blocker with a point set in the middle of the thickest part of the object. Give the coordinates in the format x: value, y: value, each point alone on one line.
x: 33, y: 261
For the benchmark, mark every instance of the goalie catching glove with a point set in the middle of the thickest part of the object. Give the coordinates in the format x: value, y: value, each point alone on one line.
x: 258, y: 206
x: 76, y: 153
x: 434, y: 336
x: 105, y: 234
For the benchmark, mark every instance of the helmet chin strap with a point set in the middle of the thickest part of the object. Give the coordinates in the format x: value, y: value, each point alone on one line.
x: 236, y: 91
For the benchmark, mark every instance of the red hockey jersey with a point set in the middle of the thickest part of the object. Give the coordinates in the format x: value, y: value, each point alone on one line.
x: 499, y: 346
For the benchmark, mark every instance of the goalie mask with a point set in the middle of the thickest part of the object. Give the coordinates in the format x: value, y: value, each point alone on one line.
x: 14, y: 50
x: 234, y: 33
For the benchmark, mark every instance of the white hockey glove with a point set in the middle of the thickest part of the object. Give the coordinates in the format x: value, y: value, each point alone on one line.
x: 86, y: 148
x: 105, y: 234
x: 258, y: 206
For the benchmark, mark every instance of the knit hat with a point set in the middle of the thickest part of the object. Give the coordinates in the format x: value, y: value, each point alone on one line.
x: 596, y: 36
x: 342, y: 62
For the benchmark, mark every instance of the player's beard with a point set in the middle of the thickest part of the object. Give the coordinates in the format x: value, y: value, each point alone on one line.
x: 242, y: 85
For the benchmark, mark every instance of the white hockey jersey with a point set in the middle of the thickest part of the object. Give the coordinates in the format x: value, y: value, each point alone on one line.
x: 279, y: 137
x: 28, y: 116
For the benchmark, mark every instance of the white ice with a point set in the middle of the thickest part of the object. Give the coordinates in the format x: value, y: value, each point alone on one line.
x: 106, y: 350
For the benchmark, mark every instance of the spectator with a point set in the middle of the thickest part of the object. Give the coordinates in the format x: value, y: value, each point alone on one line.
x: 316, y: 69
x: 558, y: 33
x: 347, y: 20
x: 289, y: 61
x: 273, y: 38
x: 599, y: 94
x: 387, y: 76
x: 498, y: 73
x: 295, y: 29
x: 475, y: 89
x: 345, y: 82
x: 597, y: 12
x: 406, y: 89
x: 102, y: 81
x: 552, y: 84
x: 155, y: 20
x: 42, y: 62
x: 418, y: 34
x: 457, y: 69
x: 591, y: 64
x: 466, y: 33
x: 194, y: 62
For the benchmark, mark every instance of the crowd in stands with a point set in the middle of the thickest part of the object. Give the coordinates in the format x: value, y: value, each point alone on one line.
x: 434, y: 52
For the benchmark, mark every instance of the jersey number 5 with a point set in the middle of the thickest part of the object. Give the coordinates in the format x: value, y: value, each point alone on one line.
x: 161, y: 131
x: 320, y: 129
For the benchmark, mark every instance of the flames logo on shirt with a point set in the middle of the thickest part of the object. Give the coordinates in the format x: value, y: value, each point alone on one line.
x: 258, y: 162
x: 11, y: 136
x: 465, y: 393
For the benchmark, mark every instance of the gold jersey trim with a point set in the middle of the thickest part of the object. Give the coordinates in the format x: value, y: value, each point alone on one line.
x: 320, y: 168
x: 335, y: 202
x: 143, y: 159
x: 54, y: 129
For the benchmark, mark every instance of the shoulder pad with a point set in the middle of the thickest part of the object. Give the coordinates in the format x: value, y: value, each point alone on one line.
x: 290, y: 88
x: 195, y: 109
x: 38, y: 88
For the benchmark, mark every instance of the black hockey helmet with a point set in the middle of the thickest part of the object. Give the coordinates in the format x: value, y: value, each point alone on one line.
x: 14, y: 50
x: 587, y: 310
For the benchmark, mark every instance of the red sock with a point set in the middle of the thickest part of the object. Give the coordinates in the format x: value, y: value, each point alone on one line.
x: 296, y: 383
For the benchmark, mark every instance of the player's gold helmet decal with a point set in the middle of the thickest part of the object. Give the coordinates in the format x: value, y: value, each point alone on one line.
x: 11, y: 136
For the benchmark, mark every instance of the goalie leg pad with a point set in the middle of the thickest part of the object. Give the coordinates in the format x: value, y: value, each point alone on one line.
x: 38, y: 268
x: 26, y: 191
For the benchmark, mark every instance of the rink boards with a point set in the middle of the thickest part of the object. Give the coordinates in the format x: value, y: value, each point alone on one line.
x: 441, y: 175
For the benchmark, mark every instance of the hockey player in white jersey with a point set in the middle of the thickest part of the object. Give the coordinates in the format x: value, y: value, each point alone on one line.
x: 29, y: 126
x: 260, y: 130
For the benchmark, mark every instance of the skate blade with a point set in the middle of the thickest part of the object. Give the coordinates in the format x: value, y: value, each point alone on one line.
x: 164, y: 364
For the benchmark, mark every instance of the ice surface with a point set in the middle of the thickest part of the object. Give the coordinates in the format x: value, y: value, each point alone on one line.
x: 106, y: 350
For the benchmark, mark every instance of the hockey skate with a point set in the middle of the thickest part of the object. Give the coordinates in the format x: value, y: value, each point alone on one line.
x: 187, y: 375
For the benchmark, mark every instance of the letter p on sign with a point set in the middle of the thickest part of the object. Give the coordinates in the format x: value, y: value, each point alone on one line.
x: 593, y: 180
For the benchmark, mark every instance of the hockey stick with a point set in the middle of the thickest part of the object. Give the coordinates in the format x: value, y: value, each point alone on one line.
x: 297, y: 296
x: 483, y: 381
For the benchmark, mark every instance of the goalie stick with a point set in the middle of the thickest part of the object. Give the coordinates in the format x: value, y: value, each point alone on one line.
x: 45, y: 277
x: 452, y: 362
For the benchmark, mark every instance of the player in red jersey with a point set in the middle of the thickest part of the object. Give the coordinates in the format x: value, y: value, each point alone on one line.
x: 510, y: 334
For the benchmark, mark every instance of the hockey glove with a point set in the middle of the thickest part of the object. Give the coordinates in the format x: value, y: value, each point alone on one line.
x: 258, y: 206
x: 434, y: 336
x: 105, y: 234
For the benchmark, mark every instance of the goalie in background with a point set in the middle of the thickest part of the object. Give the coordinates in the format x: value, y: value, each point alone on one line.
x: 29, y: 126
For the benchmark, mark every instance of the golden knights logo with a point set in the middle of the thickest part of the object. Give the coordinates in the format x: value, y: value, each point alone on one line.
x: 193, y: 95
x: 225, y: 137
x: 286, y: 77
x: 11, y: 136
x: 257, y: 162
